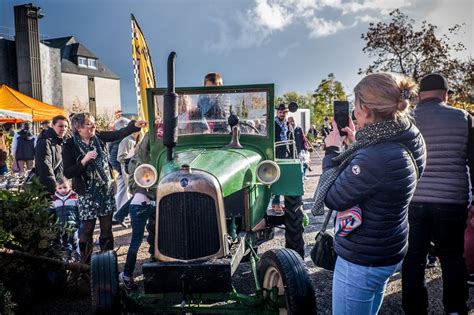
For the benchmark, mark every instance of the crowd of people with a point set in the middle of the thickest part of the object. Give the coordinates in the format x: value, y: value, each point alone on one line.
x: 407, y: 173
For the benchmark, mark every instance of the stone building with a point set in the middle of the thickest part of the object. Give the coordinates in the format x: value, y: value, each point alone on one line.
x: 59, y: 71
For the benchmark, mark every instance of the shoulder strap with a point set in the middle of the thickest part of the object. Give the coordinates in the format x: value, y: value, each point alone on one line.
x: 326, y: 221
x: 412, y: 159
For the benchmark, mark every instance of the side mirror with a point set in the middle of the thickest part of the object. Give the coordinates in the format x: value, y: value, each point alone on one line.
x: 292, y: 107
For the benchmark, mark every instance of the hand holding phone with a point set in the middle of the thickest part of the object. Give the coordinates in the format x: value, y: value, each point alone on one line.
x: 341, y: 116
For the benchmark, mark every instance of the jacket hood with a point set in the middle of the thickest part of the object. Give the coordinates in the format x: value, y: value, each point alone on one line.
x: 50, y: 134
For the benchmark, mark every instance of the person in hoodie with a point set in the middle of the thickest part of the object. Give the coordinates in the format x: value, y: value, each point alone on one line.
x: 377, y: 174
x: 65, y: 211
x: 24, y: 148
x: 48, y: 153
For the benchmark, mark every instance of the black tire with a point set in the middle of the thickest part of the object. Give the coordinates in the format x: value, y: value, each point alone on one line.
x: 294, y: 224
x: 104, y: 283
x: 298, y: 290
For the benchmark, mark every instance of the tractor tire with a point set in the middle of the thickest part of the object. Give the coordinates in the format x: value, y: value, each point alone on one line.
x: 104, y: 283
x: 294, y: 224
x: 283, y: 268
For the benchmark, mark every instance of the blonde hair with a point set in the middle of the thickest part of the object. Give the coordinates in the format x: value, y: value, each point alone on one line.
x: 388, y: 95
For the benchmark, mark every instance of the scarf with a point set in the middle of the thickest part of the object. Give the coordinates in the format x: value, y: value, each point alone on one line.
x: 283, y: 128
x: 99, y: 164
x: 370, y: 135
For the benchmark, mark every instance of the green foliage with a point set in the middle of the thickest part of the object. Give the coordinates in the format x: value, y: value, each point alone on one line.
x: 320, y: 103
x: 6, y: 304
x: 328, y: 91
x: 26, y: 225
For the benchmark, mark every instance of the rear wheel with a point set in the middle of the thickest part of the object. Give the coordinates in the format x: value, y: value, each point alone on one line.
x: 284, y: 271
x: 104, y: 282
x: 294, y: 224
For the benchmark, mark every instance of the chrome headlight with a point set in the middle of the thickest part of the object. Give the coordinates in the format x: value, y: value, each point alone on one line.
x: 268, y: 172
x: 145, y: 175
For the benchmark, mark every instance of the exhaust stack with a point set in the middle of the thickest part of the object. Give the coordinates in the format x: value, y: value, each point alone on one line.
x: 170, y: 110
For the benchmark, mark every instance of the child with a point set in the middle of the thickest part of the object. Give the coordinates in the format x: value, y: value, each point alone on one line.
x: 65, y: 210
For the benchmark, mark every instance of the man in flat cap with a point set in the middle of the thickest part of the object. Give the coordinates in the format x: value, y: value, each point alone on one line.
x: 439, y: 208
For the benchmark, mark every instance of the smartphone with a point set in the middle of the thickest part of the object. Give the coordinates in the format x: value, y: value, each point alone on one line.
x: 341, y: 115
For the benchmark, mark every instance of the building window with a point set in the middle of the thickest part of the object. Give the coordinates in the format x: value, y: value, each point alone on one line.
x: 82, y: 62
x: 92, y: 63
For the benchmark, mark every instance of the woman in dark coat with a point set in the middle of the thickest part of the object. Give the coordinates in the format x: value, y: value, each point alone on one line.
x: 85, y: 159
x: 374, y: 179
x: 48, y: 153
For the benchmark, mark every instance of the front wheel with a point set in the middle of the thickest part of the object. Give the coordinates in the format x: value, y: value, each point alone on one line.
x: 294, y: 224
x: 284, y: 270
x: 104, y: 283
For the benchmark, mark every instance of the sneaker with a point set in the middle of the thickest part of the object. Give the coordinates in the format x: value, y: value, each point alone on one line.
x: 127, y: 282
x: 470, y: 279
x: 122, y: 223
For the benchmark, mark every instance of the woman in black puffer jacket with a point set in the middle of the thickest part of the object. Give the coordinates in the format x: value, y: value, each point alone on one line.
x: 376, y: 177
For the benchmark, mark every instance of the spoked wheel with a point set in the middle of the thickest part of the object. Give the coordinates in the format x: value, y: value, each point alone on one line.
x: 104, y: 283
x: 283, y: 271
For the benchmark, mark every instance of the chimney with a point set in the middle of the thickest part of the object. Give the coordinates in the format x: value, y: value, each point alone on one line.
x: 28, y: 50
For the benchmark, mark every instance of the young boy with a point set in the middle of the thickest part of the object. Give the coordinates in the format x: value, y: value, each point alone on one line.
x: 65, y: 210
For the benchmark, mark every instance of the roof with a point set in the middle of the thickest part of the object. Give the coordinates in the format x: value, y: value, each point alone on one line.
x: 78, y: 49
x: 70, y: 49
x: 14, y: 101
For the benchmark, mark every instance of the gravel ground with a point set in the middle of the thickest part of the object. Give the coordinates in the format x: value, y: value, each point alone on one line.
x: 321, y: 279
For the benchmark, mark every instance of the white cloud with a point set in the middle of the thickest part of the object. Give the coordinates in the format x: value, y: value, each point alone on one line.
x: 366, y: 18
x: 274, y: 16
x: 320, y: 27
x: 256, y: 25
x: 383, y: 6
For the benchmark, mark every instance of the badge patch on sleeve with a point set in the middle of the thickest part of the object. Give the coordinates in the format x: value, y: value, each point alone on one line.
x: 356, y: 169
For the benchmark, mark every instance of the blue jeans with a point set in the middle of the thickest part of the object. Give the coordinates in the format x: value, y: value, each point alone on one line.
x: 139, y: 215
x: 359, y: 289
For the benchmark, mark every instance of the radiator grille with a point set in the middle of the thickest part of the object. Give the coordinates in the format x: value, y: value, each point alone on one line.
x: 188, y: 226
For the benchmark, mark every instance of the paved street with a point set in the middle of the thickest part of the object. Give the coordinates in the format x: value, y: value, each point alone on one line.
x: 322, y: 279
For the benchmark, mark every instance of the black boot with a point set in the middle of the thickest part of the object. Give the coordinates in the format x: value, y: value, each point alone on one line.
x: 86, y: 249
x: 106, y: 243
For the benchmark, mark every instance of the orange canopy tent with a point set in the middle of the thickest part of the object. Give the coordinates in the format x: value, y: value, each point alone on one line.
x: 15, y: 101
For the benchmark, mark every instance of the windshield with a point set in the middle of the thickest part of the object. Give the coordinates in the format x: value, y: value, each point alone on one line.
x: 208, y: 113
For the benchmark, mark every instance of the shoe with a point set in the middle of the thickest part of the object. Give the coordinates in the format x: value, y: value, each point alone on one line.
x: 122, y: 223
x: 306, y: 178
x: 127, y: 283
x: 470, y: 279
x: 432, y: 262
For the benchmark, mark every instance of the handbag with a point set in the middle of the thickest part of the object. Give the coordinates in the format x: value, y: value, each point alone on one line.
x: 322, y: 253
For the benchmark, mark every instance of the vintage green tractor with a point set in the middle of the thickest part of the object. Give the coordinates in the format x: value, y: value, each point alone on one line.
x: 214, y: 179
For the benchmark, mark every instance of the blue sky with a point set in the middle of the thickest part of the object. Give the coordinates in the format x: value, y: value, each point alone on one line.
x: 292, y: 43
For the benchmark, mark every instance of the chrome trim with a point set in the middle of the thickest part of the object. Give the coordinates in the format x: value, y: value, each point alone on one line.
x: 197, y: 181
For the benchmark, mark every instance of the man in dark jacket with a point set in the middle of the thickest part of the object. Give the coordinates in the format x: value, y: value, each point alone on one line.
x: 48, y: 154
x: 24, y: 148
x: 440, y: 205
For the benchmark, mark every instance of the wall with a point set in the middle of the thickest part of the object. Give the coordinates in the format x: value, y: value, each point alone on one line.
x: 51, y: 75
x: 107, y: 96
x: 8, y: 63
x: 302, y: 118
x: 75, y: 91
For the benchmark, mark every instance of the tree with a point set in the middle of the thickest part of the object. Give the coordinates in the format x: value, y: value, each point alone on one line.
x: 398, y: 47
x: 328, y: 91
x: 320, y: 103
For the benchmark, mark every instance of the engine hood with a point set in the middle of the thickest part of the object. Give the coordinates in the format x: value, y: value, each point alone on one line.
x: 233, y: 168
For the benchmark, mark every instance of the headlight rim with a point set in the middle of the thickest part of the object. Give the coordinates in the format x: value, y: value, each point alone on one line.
x: 277, y: 167
x: 154, y: 171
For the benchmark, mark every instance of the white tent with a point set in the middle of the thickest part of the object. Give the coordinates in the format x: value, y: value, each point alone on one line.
x: 11, y: 115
